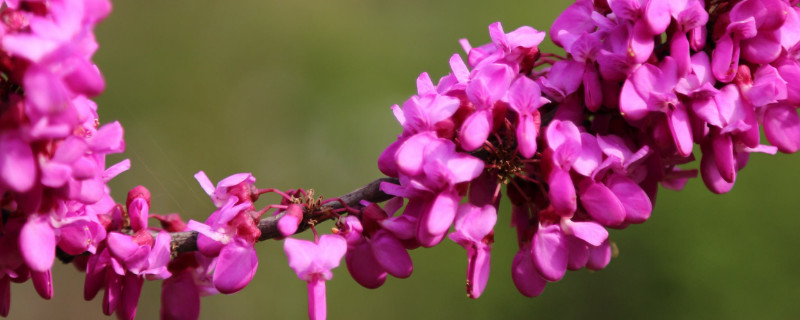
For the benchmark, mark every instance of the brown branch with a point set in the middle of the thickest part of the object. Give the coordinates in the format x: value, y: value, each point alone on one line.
x: 187, y: 241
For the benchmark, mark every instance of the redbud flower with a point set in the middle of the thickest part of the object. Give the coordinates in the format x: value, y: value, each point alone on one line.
x: 313, y: 261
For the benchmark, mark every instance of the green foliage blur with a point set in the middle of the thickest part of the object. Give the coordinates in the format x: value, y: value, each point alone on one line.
x: 298, y: 93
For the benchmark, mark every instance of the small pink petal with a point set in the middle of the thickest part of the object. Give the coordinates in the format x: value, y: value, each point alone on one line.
x: 550, y: 252
x: 599, y: 256
x: 578, y: 253
x: 129, y: 300
x: 43, y: 283
x: 681, y: 130
x: 602, y: 204
x: 391, y: 254
x: 439, y: 217
x: 589, y: 231
x: 17, y: 165
x: 475, y: 130
x: 37, y: 243
x: 562, y: 192
x: 180, y: 297
x: 236, y: 266
x: 636, y: 202
x: 526, y: 278
x: 782, y: 127
x: 363, y: 266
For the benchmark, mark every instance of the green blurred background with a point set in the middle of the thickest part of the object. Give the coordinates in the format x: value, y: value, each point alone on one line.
x: 298, y: 93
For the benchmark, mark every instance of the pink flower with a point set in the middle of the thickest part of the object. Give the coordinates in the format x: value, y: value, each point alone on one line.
x: 313, y: 261
x: 474, y: 231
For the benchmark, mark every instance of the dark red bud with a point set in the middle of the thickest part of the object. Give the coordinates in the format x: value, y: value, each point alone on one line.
x: 138, y: 192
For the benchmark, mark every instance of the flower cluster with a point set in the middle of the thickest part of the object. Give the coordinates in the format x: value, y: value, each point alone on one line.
x: 52, y: 166
x: 580, y: 142
x: 583, y: 141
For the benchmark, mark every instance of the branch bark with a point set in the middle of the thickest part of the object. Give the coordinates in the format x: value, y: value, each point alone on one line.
x: 187, y: 241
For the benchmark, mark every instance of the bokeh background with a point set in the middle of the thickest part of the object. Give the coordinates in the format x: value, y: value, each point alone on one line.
x: 298, y: 93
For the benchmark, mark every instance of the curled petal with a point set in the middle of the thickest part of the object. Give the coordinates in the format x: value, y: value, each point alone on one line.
x: 43, y: 283
x: 236, y: 266
x: 478, y: 269
x: 782, y: 127
x: 363, y: 266
x: 526, y: 278
x: 562, y: 192
x: 599, y: 256
x: 17, y: 165
x: 180, y: 297
x: 602, y: 204
x: 37, y: 243
x: 391, y: 254
x: 475, y: 130
x: 132, y: 289
x: 550, y: 252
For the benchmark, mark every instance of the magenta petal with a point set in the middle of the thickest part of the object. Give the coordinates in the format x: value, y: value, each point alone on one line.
x: 317, y: 309
x: 180, y: 297
x: 363, y: 267
x: 478, y: 269
x: 43, y: 283
x: 589, y: 231
x: 95, y: 274
x: 657, y: 15
x: 438, y: 219
x: 17, y: 166
x: 330, y: 250
x: 37, y: 243
x: 526, y: 136
x: 679, y: 50
x: 562, y: 192
x: 45, y: 91
x: 138, y: 212
x: 599, y: 256
x: 111, y: 297
x: 602, y: 205
x: 525, y: 276
x: 722, y: 147
x: 85, y: 78
x: 121, y: 245
x: 550, y: 252
x: 592, y: 89
x: 129, y: 300
x: 391, y: 254
x: 681, y: 129
x: 236, y: 266
x: 578, y: 253
x: 636, y: 202
x: 463, y: 167
x: 386, y: 162
x: 782, y: 127
x: 108, y: 139
x: 710, y: 173
x: 590, y: 157
x: 641, y: 44
x: 159, y: 257
x: 762, y: 49
x: 409, y: 156
x: 475, y: 130
x: 724, y: 59
x: 564, y: 138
